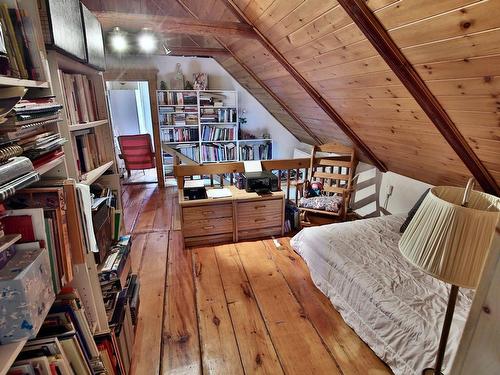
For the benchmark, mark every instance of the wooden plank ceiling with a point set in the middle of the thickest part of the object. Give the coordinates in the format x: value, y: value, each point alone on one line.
x: 454, y: 45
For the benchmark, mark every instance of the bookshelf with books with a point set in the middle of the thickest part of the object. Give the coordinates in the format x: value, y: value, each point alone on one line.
x: 201, y: 124
x: 45, y: 234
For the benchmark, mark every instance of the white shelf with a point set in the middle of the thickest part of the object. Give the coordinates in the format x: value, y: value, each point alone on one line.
x: 90, y: 177
x: 49, y: 165
x: 178, y: 105
x: 8, y: 354
x: 224, y: 141
x: 179, y: 143
x: 87, y: 125
x: 219, y: 161
x: 218, y: 123
x: 215, y: 107
x: 163, y: 126
x: 10, y: 81
x: 255, y: 140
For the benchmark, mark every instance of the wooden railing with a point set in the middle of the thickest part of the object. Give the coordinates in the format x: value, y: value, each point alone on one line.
x: 290, y: 173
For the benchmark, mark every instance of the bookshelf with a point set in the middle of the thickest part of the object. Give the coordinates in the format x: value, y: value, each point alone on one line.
x: 255, y: 149
x: 55, y: 197
x: 201, y: 124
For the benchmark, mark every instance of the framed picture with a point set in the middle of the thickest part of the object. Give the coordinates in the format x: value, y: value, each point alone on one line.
x: 93, y: 39
x: 200, y: 81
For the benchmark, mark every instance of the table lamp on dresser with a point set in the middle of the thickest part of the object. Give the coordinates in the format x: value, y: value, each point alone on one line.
x: 449, y: 238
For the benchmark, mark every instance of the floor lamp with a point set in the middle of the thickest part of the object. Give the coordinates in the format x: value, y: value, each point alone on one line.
x: 449, y: 238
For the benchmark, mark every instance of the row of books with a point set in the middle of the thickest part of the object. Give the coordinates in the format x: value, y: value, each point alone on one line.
x: 15, y: 57
x: 218, y: 115
x: 263, y: 151
x: 79, y: 99
x: 88, y: 150
x: 179, y: 119
x: 218, y: 152
x: 192, y: 151
x: 177, y: 98
x: 179, y: 134
x: 64, y: 344
x: 214, y: 133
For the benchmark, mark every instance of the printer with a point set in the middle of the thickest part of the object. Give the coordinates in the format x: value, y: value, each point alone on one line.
x: 262, y: 182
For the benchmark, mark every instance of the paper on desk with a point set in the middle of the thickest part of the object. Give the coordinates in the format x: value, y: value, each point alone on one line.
x: 218, y: 193
x: 252, y: 166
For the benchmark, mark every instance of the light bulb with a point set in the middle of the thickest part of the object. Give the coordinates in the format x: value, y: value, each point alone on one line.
x: 119, y: 42
x: 147, y: 42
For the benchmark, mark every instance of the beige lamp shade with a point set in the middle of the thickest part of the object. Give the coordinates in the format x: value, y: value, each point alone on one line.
x: 448, y: 241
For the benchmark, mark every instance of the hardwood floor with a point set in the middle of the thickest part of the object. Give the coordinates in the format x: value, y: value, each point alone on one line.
x: 245, y: 308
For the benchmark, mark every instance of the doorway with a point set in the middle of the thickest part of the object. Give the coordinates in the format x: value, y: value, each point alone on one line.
x: 130, y: 111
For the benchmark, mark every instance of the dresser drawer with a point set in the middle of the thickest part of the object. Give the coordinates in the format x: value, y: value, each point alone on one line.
x: 202, y: 227
x: 263, y: 214
x: 206, y: 212
x: 260, y: 207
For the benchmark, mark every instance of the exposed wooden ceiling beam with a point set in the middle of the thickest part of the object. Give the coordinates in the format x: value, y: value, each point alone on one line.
x: 173, y: 25
x: 197, y: 51
x: 313, y: 93
x: 387, y: 48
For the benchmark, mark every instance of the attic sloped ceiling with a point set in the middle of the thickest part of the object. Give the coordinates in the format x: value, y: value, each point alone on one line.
x: 454, y: 45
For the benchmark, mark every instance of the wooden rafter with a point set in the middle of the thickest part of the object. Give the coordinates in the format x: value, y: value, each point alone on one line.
x: 173, y: 25
x: 197, y: 51
x: 313, y: 93
x: 387, y: 48
x: 260, y: 82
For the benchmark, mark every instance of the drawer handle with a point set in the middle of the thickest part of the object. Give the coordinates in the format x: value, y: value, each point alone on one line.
x: 209, y: 227
x: 261, y: 206
x: 260, y: 220
x: 207, y: 212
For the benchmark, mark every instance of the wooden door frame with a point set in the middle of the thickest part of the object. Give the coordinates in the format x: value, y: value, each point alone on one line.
x: 149, y: 75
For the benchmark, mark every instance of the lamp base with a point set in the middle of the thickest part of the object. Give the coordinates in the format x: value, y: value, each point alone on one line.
x: 430, y: 371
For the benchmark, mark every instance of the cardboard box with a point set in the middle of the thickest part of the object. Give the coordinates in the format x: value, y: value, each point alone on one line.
x: 26, y: 295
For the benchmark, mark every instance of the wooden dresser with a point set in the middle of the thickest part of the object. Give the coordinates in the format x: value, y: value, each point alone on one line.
x: 240, y: 217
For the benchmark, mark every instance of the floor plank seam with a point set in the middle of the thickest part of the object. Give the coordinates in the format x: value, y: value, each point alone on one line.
x: 165, y: 299
x: 193, y: 266
x: 260, y: 311
x: 278, y: 269
x: 229, y: 311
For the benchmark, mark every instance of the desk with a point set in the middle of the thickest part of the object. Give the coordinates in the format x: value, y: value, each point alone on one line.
x: 231, y: 219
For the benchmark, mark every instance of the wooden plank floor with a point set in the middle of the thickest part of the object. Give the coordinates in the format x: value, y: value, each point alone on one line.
x: 245, y: 308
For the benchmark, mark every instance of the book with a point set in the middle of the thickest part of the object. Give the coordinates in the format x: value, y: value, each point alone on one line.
x: 21, y: 224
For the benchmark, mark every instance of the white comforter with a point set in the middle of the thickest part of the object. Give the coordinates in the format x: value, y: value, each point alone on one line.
x: 395, y: 308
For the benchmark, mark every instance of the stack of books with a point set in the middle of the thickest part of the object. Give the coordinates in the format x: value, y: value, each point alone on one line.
x: 16, y: 58
x: 88, y: 150
x: 208, y: 116
x: 219, y: 152
x: 179, y: 135
x: 212, y: 100
x: 213, y: 133
x: 79, y: 99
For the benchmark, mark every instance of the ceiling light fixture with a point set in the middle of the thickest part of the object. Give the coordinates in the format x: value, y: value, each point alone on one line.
x: 167, y: 50
x: 118, y: 40
x: 147, y: 41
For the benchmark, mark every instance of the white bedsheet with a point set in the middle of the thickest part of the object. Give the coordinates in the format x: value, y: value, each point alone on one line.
x: 395, y: 308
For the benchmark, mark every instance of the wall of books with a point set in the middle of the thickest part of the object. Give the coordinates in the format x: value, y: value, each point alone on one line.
x: 62, y: 258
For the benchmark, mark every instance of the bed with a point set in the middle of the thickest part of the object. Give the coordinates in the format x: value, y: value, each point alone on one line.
x: 395, y: 308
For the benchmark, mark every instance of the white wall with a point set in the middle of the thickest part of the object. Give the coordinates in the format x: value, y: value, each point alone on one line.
x: 259, y: 119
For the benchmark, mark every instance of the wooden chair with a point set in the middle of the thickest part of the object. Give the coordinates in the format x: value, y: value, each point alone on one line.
x: 136, y: 152
x: 333, y: 165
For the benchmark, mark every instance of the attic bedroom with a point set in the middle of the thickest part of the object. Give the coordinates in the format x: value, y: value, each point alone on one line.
x: 249, y: 187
